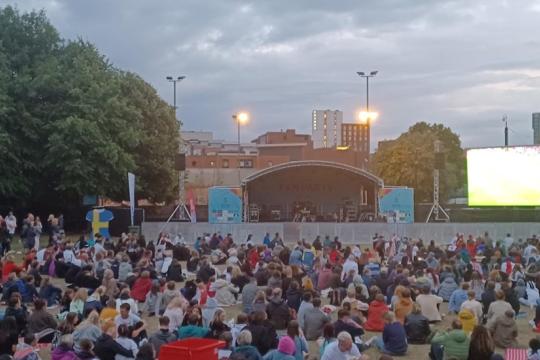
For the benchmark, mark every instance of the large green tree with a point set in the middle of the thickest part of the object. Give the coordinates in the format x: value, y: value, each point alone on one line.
x: 409, y: 160
x: 72, y: 124
x: 158, y: 135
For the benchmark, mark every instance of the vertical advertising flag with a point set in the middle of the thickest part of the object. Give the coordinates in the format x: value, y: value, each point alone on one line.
x: 131, y: 185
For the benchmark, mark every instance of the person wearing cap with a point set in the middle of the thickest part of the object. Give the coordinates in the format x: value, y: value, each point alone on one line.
x: 285, y: 350
x: 342, y: 349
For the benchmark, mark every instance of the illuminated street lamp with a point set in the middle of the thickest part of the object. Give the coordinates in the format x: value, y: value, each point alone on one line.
x: 240, y: 118
x: 366, y: 116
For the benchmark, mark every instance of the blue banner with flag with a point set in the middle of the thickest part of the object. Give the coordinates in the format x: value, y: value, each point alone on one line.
x: 224, y: 205
x: 397, y: 204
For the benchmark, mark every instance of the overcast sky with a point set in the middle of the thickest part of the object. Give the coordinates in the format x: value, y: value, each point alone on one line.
x: 462, y: 63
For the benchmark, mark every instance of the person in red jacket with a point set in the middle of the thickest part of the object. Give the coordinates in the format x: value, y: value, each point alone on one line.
x: 8, y: 267
x: 141, y: 287
x: 376, y: 310
x: 253, y: 257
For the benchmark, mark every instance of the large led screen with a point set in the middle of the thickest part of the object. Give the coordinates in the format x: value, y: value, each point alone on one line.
x: 504, y: 176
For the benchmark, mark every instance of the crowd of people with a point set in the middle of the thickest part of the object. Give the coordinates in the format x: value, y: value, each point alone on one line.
x: 289, y: 296
x: 30, y: 231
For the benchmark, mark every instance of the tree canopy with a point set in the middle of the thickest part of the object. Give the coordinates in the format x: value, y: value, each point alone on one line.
x: 72, y: 124
x: 409, y: 161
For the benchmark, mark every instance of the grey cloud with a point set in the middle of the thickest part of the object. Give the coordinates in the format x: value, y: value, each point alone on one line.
x: 461, y: 63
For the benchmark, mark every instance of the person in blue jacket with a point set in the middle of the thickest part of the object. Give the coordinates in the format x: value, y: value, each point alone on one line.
x: 394, y: 337
x: 458, y: 297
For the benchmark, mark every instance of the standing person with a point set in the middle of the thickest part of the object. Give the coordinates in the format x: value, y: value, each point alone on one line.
x: 38, y: 229
x: 11, y: 226
x: 482, y: 346
x: 28, y: 235
x: 248, y: 295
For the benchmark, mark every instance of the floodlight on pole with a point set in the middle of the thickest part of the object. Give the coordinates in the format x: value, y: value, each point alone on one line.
x: 240, y: 118
x: 366, y: 116
x: 181, y: 181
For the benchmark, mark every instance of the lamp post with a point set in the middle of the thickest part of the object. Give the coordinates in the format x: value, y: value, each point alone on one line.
x: 241, y: 119
x: 181, y: 183
x: 368, y: 115
x: 174, y: 81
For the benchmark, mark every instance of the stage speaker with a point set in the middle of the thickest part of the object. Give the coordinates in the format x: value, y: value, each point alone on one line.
x: 440, y: 162
x: 180, y: 162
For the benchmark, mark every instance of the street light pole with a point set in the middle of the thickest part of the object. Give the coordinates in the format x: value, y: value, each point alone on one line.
x: 368, y: 122
x: 240, y: 119
x: 174, y: 81
x: 181, y: 182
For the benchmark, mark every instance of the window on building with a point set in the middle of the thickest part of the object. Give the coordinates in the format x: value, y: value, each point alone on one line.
x: 225, y: 163
x: 270, y: 164
x: 246, y: 163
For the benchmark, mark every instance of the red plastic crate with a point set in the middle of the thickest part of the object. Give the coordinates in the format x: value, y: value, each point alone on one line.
x: 191, y: 349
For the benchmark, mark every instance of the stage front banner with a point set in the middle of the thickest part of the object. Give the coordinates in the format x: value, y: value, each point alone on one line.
x: 397, y: 204
x: 224, y: 205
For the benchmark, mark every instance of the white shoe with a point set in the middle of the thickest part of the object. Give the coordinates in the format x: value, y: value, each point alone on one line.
x: 533, y: 325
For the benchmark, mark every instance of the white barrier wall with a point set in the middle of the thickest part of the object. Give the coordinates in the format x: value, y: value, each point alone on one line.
x: 347, y: 232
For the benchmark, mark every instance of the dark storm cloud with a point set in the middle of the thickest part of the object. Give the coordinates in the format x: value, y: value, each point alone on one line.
x: 462, y: 63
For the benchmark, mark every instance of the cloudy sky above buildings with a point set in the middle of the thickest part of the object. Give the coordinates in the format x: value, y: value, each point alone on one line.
x: 462, y: 63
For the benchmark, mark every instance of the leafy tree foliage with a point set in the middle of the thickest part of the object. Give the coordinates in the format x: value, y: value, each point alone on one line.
x: 71, y: 124
x: 409, y: 161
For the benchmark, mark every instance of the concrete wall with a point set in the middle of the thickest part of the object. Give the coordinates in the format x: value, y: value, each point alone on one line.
x: 348, y: 232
